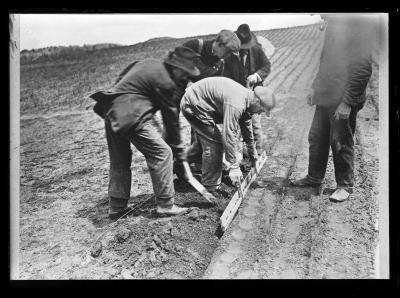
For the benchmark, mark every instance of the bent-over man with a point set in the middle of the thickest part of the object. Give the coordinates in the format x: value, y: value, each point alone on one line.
x: 220, y: 100
x: 142, y: 89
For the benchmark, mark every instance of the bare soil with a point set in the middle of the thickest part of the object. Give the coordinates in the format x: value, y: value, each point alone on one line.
x: 289, y: 232
x: 279, y: 232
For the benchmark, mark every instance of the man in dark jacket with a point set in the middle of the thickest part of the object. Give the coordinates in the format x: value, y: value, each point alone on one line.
x: 144, y: 88
x: 339, y: 93
x: 210, y: 63
x: 212, y: 52
x: 249, y: 69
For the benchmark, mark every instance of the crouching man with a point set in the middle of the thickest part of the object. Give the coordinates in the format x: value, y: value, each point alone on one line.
x: 142, y: 89
x: 220, y: 100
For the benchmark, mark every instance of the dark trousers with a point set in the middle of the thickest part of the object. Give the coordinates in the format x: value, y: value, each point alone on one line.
x: 325, y: 133
x: 158, y: 157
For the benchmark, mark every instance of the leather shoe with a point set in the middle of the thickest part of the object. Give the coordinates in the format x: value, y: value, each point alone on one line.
x: 339, y: 195
x: 304, y: 182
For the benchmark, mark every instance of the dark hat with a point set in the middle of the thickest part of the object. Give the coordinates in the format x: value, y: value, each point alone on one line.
x: 184, y: 58
x: 246, y: 37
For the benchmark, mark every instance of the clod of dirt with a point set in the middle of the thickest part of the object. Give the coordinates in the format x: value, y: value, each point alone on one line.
x: 126, y: 274
x: 194, y: 215
x: 122, y: 235
x: 167, y: 229
x: 163, y: 257
x: 152, y: 246
x: 96, y: 249
x: 152, y: 273
x: 152, y: 258
x: 157, y: 241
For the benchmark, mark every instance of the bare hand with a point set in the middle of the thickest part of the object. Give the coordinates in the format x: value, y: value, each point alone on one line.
x: 342, y: 111
x: 310, y: 96
x: 251, y: 80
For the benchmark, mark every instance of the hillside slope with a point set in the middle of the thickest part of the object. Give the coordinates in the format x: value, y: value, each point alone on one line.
x: 62, y: 82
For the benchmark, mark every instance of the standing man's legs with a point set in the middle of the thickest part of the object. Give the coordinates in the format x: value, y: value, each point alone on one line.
x: 318, y: 139
x: 119, y: 185
x: 342, y: 143
x: 159, y: 161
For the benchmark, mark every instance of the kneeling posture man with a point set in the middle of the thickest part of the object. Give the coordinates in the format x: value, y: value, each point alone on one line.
x: 220, y: 100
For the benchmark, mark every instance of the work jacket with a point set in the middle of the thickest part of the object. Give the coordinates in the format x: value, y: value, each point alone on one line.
x: 223, y: 101
x: 345, y: 62
x: 145, y: 88
x: 209, y: 64
x: 256, y: 62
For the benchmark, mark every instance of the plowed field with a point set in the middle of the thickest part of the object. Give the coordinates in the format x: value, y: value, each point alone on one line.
x: 279, y: 231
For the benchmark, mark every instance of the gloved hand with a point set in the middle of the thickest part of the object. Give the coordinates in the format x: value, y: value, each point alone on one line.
x: 252, y: 80
x: 235, y: 174
x: 342, y: 111
x: 179, y: 152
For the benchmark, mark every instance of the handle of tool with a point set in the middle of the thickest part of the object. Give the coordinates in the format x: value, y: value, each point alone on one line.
x: 187, y: 169
x: 198, y: 186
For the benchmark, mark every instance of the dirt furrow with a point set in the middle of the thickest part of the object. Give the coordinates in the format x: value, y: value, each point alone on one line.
x: 242, y: 251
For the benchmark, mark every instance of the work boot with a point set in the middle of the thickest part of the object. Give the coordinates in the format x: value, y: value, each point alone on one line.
x: 339, y: 195
x: 304, y: 182
x: 171, y: 210
x: 118, y: 207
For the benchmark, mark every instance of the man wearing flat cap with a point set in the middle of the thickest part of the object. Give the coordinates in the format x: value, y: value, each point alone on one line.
x: 142, y: 89
x: 210, y: 63
x: 212, y: 52
x: 220, y: 100
x: 249, y: 68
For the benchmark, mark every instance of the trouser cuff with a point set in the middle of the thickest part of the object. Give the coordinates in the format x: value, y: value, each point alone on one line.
x: 165, y: 202
x: 118, y: 202
x: 118, y: 195
x: 348, y: 188
x: 314, y: 180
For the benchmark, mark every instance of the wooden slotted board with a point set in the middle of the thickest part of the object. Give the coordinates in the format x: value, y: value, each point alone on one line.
x: 234, y: 204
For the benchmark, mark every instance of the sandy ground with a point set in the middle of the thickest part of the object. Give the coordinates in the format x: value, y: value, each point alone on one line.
x: 287, y: 232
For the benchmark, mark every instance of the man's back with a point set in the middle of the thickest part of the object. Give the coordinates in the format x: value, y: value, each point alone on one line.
x: 209, y: 96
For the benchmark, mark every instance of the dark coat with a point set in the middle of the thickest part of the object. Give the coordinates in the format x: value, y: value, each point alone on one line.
x: 208, y: 64
x: 345, y: 63
x: 145, y: 88
x: 256, y: 62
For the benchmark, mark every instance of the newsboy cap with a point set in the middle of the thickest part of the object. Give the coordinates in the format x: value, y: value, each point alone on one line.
x: 266, y: 96
x: 229, y: 39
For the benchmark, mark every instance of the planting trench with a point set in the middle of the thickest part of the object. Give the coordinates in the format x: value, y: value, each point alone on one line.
x: 279, y: 231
